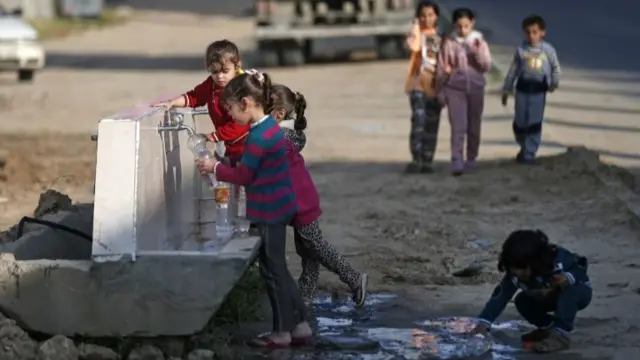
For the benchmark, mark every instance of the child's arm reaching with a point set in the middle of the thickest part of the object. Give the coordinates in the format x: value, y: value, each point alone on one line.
x: 512, y: 74
x: 230, y: 132
x: 193, y: 98
x: 498, y: 302
x: 244, y: 173
x: 555, y: 66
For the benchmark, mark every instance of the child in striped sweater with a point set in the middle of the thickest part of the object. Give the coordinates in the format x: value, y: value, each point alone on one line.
x: 288, y: 109
x: 271, y: 203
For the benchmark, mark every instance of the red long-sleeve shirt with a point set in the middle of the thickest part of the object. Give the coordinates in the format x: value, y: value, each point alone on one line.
x: 227, y: 130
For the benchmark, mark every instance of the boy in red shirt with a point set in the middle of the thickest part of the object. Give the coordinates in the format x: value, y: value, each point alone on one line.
x: 223, y: 62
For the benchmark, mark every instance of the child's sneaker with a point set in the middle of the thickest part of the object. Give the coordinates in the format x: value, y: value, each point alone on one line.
x: 426, y: 168
x: 360, y: 293
x: 557, y: 341
x: 457, y: 168
x: 414, y: 167
x: 536, y: 335
x: 470, y: 165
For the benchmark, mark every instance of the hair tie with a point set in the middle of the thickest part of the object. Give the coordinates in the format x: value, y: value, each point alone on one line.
x: 257, y: 74
x: 298, y: 95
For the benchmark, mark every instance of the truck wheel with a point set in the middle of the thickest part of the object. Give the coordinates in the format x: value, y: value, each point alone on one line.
x: 292, y: 56
x: 269, y: 58
x: 387, y: 48
x: 25, y: 75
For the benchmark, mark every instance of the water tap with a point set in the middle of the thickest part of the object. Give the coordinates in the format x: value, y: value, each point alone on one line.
x: 174, y: 121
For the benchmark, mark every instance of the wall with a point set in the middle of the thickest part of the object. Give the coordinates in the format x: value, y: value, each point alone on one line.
x: 149, y: 197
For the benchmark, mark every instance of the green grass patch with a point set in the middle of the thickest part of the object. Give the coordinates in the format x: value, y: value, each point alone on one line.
x: 63, y: 27
x: 244, y: 302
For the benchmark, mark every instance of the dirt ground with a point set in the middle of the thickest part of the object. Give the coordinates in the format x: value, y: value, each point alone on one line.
x: 408, y: 232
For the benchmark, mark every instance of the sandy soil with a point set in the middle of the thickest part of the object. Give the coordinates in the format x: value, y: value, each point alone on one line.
x: 409, y: 232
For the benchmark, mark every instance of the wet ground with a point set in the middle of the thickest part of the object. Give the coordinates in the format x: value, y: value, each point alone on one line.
x: 388, y: 330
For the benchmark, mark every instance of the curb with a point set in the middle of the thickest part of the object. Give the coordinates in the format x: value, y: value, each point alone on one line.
x: 630, y: 199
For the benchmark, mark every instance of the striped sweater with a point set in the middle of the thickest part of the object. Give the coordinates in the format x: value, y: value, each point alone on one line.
x: 264, y: 171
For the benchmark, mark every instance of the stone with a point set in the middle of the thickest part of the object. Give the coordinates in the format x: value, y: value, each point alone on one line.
x: 96, y: 352
x: 201, y: 354
x: 146, y: 352
x: 50, y: 202
x: 58, y: 347
x: 15, y: 343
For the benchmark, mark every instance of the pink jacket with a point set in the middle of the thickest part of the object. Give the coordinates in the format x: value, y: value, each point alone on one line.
x: 468, y: 59
x: 307, y: 197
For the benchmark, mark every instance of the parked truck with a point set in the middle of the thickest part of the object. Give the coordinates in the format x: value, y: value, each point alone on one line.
x: 287, y: 29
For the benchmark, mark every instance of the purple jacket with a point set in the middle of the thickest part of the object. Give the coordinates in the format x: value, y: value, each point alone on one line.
x: 468, y: 60
x: 303, y: 186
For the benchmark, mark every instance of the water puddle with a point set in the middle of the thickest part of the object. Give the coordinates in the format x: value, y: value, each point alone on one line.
x: 385, y: 331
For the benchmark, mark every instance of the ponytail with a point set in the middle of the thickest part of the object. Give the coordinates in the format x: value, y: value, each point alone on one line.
x: 300, y: 122
x: 267, y: 101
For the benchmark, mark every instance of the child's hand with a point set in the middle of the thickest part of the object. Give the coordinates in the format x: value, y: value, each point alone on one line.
x: 448, y: 69
x: 479, y: 329
x: 505, y: 97
x: 209, y: 137
x: 167, y: 105
x: 559, y: 281
x: 206, y: 166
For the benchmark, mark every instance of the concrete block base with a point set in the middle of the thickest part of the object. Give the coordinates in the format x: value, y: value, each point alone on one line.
x: 173, y: 294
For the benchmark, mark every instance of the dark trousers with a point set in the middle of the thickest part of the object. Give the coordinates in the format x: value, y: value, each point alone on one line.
x: 286, y: 303
x: 565, y: 305
x: 425, y: 121
x: 527, y: 124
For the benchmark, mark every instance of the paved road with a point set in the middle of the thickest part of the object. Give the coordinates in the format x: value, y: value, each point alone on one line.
x: 597, y: 102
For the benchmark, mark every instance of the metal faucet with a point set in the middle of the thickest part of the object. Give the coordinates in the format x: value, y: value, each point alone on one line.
x: 174, y: 121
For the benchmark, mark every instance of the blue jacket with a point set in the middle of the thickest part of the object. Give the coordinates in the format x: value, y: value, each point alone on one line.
x: 571, y: 265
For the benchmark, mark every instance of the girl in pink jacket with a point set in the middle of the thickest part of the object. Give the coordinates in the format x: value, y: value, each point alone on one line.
x: 313, y: 248
x: 462, y: 63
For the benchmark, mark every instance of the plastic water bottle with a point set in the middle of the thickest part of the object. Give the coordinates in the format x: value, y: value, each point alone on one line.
x: 221, y: 190
x: 242, y: 223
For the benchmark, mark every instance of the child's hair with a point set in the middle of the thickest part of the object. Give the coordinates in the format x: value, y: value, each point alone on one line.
x: 527, y: 249
x: 222, y: 51
x: 256, y: 86
x: 427, y: 4
x: 460, y: 13
x: 534, y: 20
x: 291, y: 102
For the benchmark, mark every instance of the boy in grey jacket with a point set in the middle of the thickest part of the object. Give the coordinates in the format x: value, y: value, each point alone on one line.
x: 535, y: 70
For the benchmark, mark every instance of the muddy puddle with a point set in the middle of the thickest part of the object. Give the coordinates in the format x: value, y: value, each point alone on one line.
x: 383, y: 331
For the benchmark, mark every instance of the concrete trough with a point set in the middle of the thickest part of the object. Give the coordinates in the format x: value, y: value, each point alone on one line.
x: 154, y: 266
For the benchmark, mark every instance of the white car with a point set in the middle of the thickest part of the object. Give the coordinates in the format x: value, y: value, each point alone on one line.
x: 20, y: 50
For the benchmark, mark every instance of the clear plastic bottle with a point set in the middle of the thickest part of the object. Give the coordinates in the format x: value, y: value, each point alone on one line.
x: 242, y: 223
x: 221, y: 191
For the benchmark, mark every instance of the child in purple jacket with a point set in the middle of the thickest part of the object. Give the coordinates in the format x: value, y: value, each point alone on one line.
x: 462, y: 62
x: 288, y: 110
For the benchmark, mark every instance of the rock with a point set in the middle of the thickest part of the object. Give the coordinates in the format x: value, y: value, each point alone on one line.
x: 201, y: 354
x: 96, y: 352
x: 15, y: 343
x: 146, y: 352
x: 474, y: 269
x: 51, y: 201
x: 58, y: 348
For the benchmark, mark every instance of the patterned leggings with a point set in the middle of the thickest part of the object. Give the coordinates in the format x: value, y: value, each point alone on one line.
x: 315, y: 251
x: 425, y: 121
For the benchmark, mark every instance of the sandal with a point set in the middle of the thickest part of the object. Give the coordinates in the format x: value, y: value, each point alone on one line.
x: 265, y: 342
x: 360, y: 295
x: 554, y: 343
x: 302, y: 340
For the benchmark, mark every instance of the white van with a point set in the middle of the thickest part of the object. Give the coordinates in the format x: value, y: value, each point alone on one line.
x: 20, y: 50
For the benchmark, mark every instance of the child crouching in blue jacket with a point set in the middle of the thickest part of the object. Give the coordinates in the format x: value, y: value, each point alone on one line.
x: 554, y: 285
